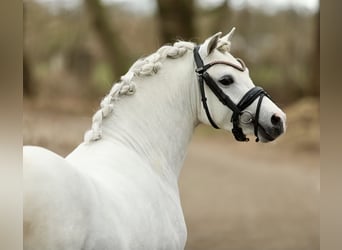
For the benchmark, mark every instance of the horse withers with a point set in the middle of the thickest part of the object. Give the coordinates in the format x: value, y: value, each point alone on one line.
x: 119, y: 188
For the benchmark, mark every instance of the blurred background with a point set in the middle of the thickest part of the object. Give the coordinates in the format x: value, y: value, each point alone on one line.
x: 239, y: 196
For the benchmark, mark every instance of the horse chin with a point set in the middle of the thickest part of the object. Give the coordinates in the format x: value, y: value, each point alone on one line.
x: 264, y: 136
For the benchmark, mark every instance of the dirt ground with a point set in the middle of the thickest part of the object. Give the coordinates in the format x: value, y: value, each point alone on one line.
x: 235, y: 196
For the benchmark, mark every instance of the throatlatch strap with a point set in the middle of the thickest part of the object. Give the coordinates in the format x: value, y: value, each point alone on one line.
x: 204, y: 102
x: 199, y: 64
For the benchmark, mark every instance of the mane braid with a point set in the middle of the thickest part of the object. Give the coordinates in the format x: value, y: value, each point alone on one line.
x: 147, y: 66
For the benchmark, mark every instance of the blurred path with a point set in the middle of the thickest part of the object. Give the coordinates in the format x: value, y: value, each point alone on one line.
x: 235, y: 199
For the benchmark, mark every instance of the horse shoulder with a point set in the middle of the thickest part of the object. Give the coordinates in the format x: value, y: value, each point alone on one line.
x: 130, y: 191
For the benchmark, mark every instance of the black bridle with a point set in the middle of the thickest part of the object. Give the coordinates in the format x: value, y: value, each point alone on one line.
x: 237, y: 109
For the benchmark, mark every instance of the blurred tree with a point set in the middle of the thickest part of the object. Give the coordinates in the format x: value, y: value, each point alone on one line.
x: 28, y: 85
x: 176, y: 19
x: 314, y: 89
x: 222, y: 15
x: 79, y: 61
x: 108, y: 37
x: 244, y: 21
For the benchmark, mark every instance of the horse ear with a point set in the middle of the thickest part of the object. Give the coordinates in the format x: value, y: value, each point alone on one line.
x: 229, y: 36
x: 210, y: 44
x: 224, y: 43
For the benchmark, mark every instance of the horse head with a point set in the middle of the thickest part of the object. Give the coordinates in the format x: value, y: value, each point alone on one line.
x: 230, y: 100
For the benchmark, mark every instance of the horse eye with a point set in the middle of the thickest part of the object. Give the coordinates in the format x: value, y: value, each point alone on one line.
x: 226, y: 80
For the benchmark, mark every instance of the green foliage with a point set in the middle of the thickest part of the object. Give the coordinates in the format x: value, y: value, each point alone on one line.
x: 102, y: 77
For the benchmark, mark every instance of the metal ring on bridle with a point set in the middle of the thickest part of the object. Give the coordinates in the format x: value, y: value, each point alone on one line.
x: 249, y: 119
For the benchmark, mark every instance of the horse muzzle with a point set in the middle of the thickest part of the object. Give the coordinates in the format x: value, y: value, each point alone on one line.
x: 273, y: 130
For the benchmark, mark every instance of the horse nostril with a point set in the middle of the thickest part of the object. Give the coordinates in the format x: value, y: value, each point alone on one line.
x: 276, y: 120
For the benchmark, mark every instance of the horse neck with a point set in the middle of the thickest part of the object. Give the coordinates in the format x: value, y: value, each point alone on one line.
x: 158, y: 120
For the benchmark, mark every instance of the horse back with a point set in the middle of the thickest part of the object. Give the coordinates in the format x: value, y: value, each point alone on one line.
x: 52, y: 191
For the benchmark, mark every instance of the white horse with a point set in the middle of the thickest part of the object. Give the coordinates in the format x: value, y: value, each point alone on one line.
x: 119, y: 188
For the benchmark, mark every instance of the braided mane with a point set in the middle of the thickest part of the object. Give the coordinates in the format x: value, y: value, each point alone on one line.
x: 147, y: 66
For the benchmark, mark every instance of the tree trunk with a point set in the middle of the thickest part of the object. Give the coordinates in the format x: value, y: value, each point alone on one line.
x: 314, y: 86
x: 107, y: 36
x: 221, y: 18
x: 28, y: 85
x: 28, y: 89
x: 176, y: 19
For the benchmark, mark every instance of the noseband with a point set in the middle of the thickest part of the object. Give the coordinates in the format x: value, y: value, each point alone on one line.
x: 238, y: 109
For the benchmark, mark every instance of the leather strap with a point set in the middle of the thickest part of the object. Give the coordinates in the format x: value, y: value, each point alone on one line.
x: 204, y: 102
